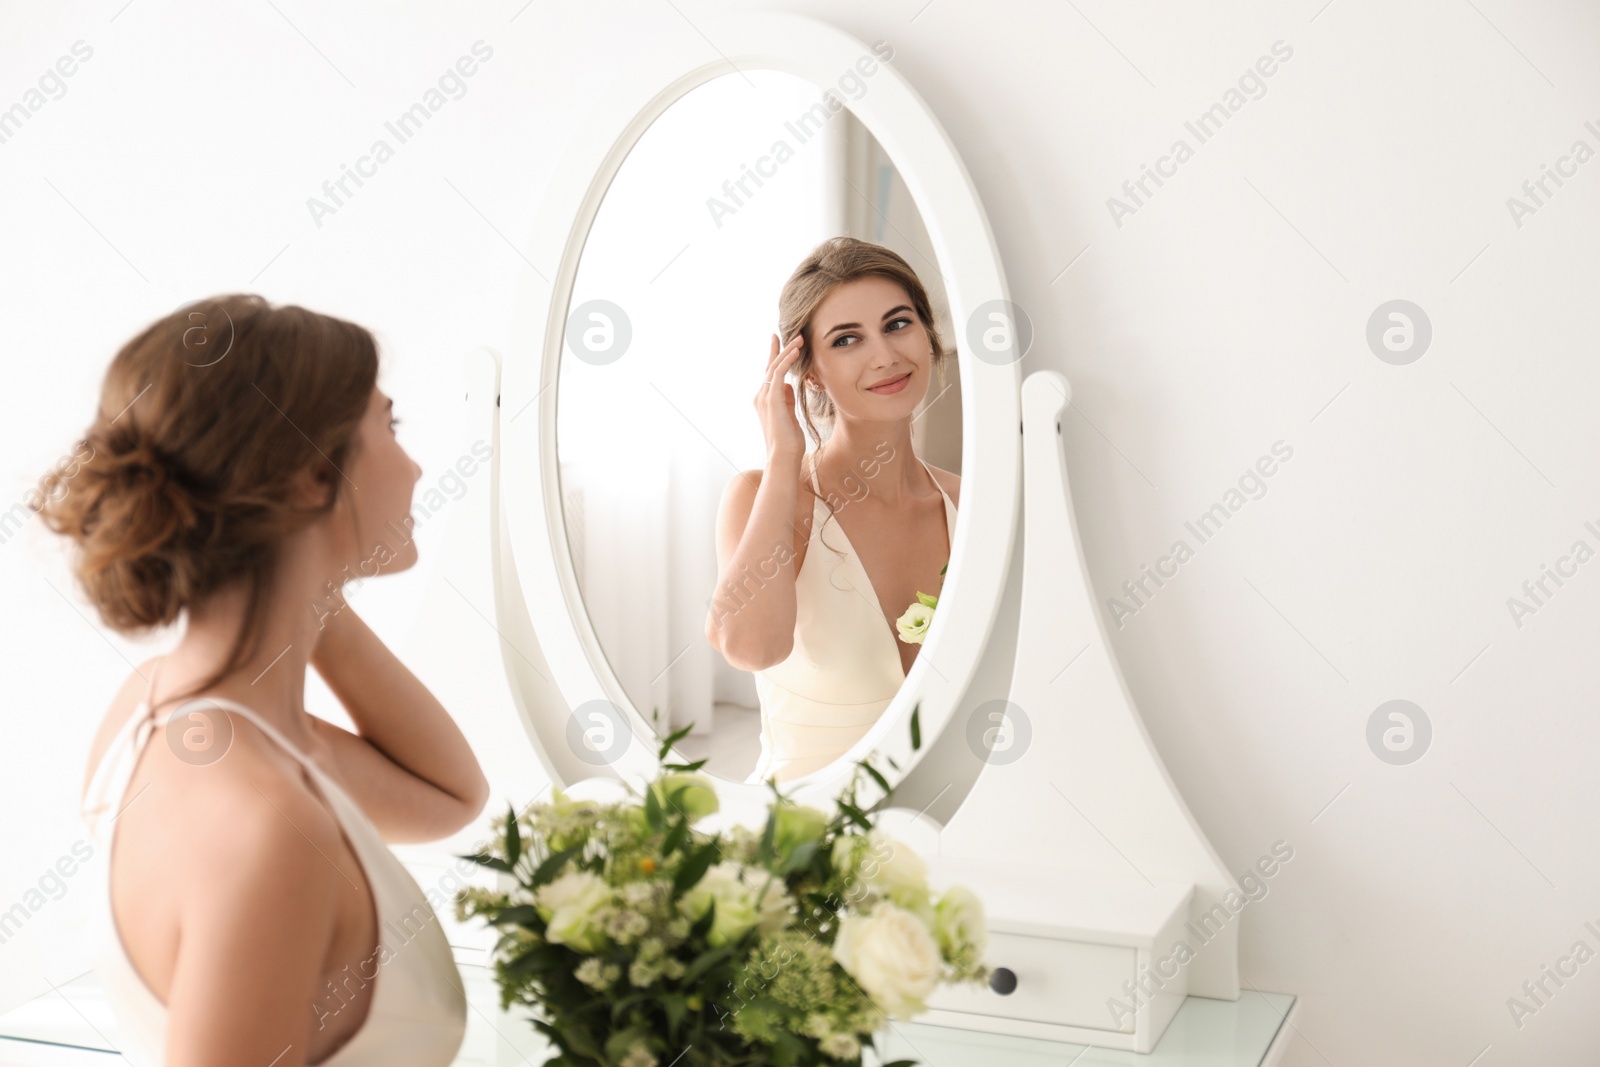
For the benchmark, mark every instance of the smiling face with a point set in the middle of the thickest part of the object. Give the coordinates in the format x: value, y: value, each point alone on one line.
x: 378, y: 494
x: 869, y: 351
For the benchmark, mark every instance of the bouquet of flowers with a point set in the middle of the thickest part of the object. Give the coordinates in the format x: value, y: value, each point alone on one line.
x: 639, y: 939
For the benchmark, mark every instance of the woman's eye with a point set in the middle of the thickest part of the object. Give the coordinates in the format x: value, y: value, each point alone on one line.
x: 901, y: 323
x: 394, y: 422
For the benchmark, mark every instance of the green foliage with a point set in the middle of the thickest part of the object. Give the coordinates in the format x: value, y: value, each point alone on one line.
x: 636, y: 939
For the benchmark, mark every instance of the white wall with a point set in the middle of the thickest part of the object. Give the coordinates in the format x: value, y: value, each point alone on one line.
x: 1226, y: 314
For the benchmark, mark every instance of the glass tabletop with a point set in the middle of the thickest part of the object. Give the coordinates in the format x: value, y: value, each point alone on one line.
x: 73, y: 1026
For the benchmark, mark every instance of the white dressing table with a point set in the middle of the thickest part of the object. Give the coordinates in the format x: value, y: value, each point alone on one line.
x: 1024, y: 655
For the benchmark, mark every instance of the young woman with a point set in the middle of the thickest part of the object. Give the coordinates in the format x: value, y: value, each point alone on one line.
x: 242, y: 467
x: 817, y: 566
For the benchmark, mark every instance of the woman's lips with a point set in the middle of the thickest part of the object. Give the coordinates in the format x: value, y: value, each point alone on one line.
x: 892, y: 387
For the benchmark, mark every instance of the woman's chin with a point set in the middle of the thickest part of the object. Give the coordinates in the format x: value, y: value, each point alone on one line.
x: 385, y: 558
x: 403, y: 560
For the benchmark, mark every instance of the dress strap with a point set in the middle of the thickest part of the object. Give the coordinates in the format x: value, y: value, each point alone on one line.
x: 140, y: 722
x: 935, y: 478
x: 112, y: 776
x: 150, y: 686
x: 260, y: 722
x: 106, y: 785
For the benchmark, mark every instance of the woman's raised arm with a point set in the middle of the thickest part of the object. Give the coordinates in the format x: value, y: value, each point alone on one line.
x: 751, y: 620
x: 408, y: 765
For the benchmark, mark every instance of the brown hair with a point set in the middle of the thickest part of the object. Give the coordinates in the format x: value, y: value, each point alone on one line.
x: 831, y: 264
x: 204, y: 420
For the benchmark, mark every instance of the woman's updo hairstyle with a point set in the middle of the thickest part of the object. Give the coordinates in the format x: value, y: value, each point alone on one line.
x: 205, y: 419
x: 831, y: 264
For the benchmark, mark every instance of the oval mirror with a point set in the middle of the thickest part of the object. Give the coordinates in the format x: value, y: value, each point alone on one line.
x: 669, y: 330
x: 676, y: 218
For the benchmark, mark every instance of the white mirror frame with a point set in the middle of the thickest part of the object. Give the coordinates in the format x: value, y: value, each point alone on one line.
x: 553, y: 659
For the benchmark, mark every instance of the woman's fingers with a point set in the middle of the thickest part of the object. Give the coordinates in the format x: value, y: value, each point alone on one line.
x: 781, y: 358
x: 775, y: 355
x: 781, y: 361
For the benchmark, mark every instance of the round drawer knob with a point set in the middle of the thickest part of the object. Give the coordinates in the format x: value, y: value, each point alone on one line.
x: 1003, y: 980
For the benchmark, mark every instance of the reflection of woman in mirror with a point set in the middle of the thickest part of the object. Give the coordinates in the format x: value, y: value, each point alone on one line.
x: 816, y: 566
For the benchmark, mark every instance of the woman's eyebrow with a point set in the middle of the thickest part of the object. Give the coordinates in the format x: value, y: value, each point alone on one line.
x: 857, y: 325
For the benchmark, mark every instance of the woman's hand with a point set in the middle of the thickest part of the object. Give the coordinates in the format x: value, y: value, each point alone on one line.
x: 775, y: 404
x: 407, y: 765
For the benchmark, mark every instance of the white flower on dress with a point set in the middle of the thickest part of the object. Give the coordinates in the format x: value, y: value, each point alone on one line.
x: 913, y: 624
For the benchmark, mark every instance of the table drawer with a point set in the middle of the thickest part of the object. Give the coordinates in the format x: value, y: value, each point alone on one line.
x: 1066, y: 983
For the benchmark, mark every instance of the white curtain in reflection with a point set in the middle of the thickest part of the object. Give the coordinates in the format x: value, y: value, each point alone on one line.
x: 647, y: 442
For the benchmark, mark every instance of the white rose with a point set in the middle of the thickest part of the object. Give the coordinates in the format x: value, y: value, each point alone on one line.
x: 568, y: 905
x: 894, y: 870
x: 959, y: 924
x: 569, y: 888
x: 894, y: 957
x: 736, y: 914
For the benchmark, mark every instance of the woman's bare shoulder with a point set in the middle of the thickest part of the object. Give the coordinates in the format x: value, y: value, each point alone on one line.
x: 236, y: 808
x: 739, y: 495
x: 738, y: 501
x: 259, y: 776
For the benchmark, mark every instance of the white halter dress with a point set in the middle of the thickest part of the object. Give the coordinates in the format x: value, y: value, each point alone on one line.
x: 418, y: 1012
x: 844, y: 668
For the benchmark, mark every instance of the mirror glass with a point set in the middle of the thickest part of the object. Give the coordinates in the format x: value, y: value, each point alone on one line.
x: 668, y: 334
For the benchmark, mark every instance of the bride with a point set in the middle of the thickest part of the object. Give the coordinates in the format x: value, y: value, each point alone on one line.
x: 242, y: 466
x: 816, y: 565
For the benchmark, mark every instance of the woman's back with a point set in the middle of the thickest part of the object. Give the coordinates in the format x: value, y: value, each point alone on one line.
x: 226, y: 832
x: 255, y: 915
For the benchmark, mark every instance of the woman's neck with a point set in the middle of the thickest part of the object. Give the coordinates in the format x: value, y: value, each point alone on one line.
x: 879, y: 453
x: 272, y: 681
